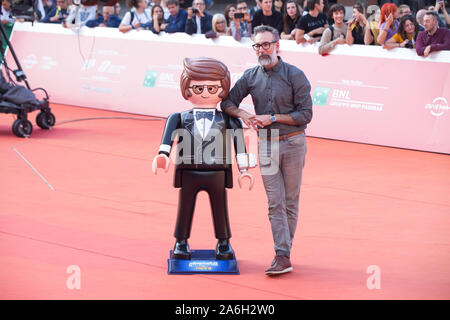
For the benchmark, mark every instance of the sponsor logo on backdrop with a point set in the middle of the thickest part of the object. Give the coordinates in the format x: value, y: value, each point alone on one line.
x: 46, y: 62
x: 438, y: 106
x: 150, y: 79
x: 342, y: 99
x: 88, y: 87
x: 320, y: 96
x: 30, y: 61
x: 105, y: 66
x: 167, y: 80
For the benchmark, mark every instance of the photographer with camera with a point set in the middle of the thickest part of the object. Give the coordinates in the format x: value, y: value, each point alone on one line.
x: 241, y: 26
x: 406, y: 35
x: 198, y: 21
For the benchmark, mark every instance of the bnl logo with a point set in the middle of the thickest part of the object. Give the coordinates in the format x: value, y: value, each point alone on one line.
x: 320, y: 96
x: 150, y: 79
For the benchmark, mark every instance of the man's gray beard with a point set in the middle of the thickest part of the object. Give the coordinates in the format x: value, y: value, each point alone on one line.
x: 265, y: 60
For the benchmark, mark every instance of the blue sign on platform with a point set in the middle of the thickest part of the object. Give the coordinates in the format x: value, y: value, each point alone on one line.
x: 202, y: 262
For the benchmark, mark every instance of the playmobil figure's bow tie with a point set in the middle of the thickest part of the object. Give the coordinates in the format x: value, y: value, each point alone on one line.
x: 204, y: 115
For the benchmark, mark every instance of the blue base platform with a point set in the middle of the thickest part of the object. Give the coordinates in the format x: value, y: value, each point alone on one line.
x: 202, y: 262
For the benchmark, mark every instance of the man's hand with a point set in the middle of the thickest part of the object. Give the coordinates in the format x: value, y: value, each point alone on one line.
x: 247, y: 17
x: 248, y: 119
x: 262, y: 120
x: 163, y: 26
x: 312, y: 40
x: 190, y: 12
x: 340, y: 40
x: 55, y: 18
x: 236, y: 23
x: 427, y: 51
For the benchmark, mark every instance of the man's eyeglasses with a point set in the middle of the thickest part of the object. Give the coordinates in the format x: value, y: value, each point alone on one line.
x: 264, y: 45
x: 198, y: 89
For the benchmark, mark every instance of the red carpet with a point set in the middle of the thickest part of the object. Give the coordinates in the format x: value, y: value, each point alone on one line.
x: 92, y: 201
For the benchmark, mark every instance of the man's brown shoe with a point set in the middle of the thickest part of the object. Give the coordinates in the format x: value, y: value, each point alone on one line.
x: 281, y: 264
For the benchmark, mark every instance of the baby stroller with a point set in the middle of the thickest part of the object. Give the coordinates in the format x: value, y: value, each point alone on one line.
x: 20, y: 100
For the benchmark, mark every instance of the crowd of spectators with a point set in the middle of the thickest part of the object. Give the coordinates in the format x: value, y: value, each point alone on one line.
x: 390, y: 24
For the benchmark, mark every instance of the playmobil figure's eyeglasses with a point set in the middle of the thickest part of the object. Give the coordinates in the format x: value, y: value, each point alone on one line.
x: 264, y: 45
x: 198, y: 89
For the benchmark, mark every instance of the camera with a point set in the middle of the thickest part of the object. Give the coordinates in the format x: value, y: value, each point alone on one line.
x: 195, y: 11
x: 239, y: 15
x: 409, y: 45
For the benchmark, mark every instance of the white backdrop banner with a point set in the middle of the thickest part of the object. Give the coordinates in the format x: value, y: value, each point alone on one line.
x: 360, y: 93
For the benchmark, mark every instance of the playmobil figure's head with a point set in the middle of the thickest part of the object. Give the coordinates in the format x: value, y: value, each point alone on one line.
x: 204, y: 81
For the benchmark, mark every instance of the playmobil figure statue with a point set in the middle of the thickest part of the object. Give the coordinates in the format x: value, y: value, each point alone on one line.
x: 203, y: 159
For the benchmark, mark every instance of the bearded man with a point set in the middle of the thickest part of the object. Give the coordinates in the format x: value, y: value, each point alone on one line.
x: 283, y: 107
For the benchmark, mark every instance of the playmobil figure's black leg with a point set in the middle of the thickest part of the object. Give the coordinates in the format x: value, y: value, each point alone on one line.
x: 218, y: 200
x: 186, y: 205
x: 213, y: 182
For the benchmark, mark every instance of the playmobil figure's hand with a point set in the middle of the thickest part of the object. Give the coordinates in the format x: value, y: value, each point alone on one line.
x: 160, y: 161
x: 243, y: 175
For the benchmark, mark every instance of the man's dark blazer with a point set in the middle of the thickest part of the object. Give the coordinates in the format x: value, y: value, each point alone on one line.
x: 220, y: 160
x: 205, y: 24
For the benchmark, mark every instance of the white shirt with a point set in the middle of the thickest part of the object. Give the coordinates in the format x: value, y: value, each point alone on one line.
x: 203, y: 125
x: 199, y: 25
x: 81, y: 15
x: 143, y: 17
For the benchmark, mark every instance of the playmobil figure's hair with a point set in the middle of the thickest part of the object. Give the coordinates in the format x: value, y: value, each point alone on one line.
x: 199, y: 69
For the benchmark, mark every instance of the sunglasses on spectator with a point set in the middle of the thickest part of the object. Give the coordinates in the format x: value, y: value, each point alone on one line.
x: 198, y: 89
x: 264, y: 45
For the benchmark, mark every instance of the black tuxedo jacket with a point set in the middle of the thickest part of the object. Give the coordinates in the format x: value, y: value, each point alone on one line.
x: 211, y: 153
